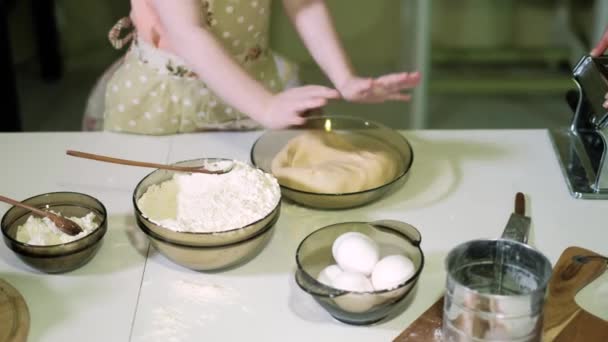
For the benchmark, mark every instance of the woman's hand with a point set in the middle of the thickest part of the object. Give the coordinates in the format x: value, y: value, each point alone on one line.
x: 375, y: 90
x: 289, y: 107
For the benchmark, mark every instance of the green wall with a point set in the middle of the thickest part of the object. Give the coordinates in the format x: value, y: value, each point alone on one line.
x: 83, y: 27
x: 369, y: 30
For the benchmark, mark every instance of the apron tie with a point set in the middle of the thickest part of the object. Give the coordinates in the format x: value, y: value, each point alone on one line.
x: 114, y: 34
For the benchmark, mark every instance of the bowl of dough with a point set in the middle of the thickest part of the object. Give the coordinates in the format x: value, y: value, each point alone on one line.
x: 334, y: 162
x: 361, y: 272
x: 41, y: 245
x: 208, y: 221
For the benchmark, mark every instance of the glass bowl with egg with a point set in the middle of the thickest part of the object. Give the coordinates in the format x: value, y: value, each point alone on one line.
x: 360, y: 272
x: 334, y: 162
x: 39, y: 244
x: 208, y: 221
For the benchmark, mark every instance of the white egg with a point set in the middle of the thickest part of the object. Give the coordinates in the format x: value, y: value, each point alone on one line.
x: 352, y: 281
x: 354, y: 302
x: 391, y: 271
x: 328, y: 274
x: 356, y: 252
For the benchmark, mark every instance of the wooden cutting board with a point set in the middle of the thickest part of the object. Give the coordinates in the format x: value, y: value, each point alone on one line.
x: 564, y: 320
x: 14, y: 315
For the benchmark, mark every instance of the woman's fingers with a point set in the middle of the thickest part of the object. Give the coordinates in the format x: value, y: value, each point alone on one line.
x: 398, y: 82
x: 601, y: 46
x: 392, y: 79
x: 368, y: 90
x: 296, y: 120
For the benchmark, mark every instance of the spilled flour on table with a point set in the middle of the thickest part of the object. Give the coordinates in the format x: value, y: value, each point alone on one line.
x: 422, y: 333
x: 193, y: 305
x: 438, y: 335
x: 204, y: 293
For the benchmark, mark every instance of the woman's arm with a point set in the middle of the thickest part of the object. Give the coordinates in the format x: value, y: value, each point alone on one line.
x: 312, y: 20
x: 192, y: 41
x: 314, y: 24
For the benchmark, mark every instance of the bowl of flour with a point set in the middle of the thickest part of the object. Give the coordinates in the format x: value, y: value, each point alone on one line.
x: 197, y: 213
x: 41, y: 245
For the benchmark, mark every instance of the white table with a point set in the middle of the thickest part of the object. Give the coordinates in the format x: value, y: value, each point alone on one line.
x: 461, y: 187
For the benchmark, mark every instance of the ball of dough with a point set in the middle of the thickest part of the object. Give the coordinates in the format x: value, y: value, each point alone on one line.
x: 391, y: 271
x: 356, y: 252
x: 329, y: 274
x: 330, y: 163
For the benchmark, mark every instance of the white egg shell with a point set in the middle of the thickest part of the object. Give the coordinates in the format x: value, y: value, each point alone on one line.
x: 356, y: 252
x: 392, y: 295
x: 328, y: 274
x: 354, y: 302
x: 391, y: 271
x: 352, y: 281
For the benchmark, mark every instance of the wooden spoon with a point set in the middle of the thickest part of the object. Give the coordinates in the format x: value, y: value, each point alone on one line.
x: 98, y: 157
x: 65, y: 225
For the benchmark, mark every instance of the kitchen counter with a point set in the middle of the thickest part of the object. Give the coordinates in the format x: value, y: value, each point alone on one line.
x: 461, y: 187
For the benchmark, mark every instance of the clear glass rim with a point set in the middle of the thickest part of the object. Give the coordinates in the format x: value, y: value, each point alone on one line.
x: 539, y: 288
x: 162, y: 239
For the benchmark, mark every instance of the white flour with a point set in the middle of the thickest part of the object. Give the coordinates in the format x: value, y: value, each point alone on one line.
x: 211, y: 203
x: 193, y: 306
x: 438, y: 335
x: 201, y: 293
x: 41, y: 231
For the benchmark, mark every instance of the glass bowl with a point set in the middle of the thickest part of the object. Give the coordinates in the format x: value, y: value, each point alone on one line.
x: 355, y: 130
x: 358, y: 308
x: 61, y: 257
x: 212, y: 258
x: 206, y: 239
x: 202, y: 250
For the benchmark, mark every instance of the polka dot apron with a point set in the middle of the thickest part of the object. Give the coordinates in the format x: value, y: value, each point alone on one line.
x: 155, y: 92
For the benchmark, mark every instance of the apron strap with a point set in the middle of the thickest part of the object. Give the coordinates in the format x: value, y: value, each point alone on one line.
x: 114, y: 34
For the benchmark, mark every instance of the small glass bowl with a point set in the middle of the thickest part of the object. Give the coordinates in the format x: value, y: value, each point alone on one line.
x: 358, y: 308
x: 62, y: 257
x: 272, y: 142
x: 204, y: 250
